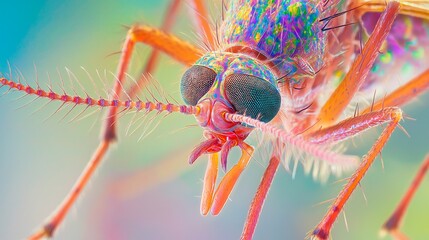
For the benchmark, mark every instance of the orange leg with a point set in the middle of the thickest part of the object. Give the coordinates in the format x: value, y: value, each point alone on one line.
x: 393, y: 116
x: 393, y: 223
x: 176, y: 48
x: 228, y: 182
x: 342, y: 96
x: 259, y: 199
x: 62, y: 211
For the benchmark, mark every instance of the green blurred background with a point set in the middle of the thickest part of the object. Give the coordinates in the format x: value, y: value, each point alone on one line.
x: 40, y: 160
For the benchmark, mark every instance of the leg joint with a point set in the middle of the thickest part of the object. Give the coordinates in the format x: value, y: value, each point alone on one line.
x: 396, y: 114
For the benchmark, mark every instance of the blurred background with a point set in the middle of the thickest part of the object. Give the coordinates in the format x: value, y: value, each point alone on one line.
x: 146, y: 189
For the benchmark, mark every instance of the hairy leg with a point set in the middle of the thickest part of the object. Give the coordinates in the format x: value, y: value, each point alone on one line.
x: 400, y: 97
x: 342, y: 131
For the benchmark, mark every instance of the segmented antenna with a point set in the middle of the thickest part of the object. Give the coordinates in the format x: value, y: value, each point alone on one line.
x: 104, y: 103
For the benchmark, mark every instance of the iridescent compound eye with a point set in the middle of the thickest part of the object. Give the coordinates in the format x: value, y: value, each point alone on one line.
x: 252, y: 96
x: 196, y: 82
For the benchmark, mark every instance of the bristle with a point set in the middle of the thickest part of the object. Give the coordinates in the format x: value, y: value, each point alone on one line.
x: 130, y: 124
x: 328, y: 19
x: 152, y: 125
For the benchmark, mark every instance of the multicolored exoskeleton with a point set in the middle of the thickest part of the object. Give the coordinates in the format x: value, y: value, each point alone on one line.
x: 288, y: 68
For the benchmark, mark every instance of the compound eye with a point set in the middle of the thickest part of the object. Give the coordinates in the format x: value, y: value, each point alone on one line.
x: 196, y: 82
x: 252, y: 96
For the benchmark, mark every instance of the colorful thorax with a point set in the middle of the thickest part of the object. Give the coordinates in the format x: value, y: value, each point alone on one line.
x: 287, y: 32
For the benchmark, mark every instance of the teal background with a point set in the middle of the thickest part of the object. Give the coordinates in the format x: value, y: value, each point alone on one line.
x: 40, y: 160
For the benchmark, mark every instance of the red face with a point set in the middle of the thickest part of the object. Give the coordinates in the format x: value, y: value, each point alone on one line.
x: 234, y: 93
x: 212, y: 119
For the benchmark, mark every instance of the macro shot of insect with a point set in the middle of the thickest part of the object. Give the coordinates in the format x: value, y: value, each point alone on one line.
x: 238, y: 89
